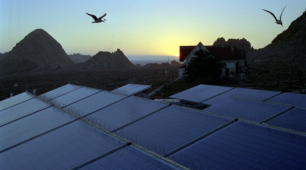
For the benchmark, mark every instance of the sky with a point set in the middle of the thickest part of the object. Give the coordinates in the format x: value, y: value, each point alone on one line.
x: 144, y: 29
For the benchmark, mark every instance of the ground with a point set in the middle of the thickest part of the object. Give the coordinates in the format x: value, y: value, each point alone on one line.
x: 106, y: 80
x: 277, y: 76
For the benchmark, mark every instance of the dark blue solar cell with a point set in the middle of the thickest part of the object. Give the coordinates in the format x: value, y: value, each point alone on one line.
x: 63, y: 148
x: 250, y: 94
x: 125, y: 111
x: 294, y: 119
x: 31, y: 126
x: 245, y: 146
x: 59, y: 91
x: 21, y: 110
x: 200, y: 93
x: 74, y: 96
x: 4, y: 104
x: 249, y: 110
x: 95, y: 102
x: 290, y: 99
x: 170, y: 128
x: 129, y: 158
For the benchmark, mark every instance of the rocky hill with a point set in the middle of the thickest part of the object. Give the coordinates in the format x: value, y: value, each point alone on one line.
x: 289, y: 46
x: 104, y: 60
x: 11, y: 66
x: 79, y: 58
x: 237, y: 42
x: 41, y: 48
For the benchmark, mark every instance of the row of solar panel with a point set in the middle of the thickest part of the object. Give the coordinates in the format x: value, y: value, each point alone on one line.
x: 213, y: 95
x: 166, y: 131
x: 274, y: 108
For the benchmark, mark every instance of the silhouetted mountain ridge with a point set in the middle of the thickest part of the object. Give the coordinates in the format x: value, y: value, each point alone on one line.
x: 41, y: 48
x: 236, y: 42
x: 289, y: 46
x: 79, y: 58
x: 104, y: 59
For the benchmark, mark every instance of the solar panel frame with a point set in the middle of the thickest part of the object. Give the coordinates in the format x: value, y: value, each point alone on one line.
x: 12, y: 101
x: 201, y: 92
x: 125, y: 112
x: 245, y: 146
x: 59, y: 91
x: 131, y: 89
x: 171, y: 128
x: 21, y: 110
x: 94, y: 102
x: 64, y: 148
x: 294, y: 119
x: 32, y: 126
x: 243, y: 93
x: 74, y: 96
x: 249, y: 110
x: 129, y: 158
x: 298, y: 100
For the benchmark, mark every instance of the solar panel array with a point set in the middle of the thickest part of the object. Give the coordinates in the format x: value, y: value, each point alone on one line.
x: 125, y: 112
x: 249, y: 110
x: 294, y: 119
x: 249, y: 94
x: 171, y: 128
x: 4, y: 104
x: 200, y: 93
x: 21, y: 110
x: 76, y: 127
x: 129, y: 158
x: 298, y: 100
x: 245, y: 146
x: 59, y: 91
x: 131, y: 89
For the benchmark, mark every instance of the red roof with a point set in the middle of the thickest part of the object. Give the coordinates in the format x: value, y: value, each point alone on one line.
x: 225, y: 52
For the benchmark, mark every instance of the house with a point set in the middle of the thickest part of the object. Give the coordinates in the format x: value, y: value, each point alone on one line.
x: 232, y: 60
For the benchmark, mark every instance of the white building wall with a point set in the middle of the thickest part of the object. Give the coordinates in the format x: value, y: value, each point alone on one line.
x: 180, y: 72
x: 191, y: 55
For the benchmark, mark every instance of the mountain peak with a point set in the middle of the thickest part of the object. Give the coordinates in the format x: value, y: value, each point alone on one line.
x: 40, y: 47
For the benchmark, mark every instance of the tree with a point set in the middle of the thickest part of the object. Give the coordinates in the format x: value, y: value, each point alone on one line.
x: 203, y: 67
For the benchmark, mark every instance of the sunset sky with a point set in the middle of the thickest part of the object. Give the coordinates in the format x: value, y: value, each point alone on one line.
x: 144, y: 28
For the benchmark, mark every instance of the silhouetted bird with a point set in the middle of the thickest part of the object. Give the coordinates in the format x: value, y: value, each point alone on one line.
x: 97, y: 20
x: 280, y: 18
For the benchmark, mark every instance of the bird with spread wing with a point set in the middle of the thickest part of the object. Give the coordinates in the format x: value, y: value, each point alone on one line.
x: 280, y: 18
x: 97, y: 20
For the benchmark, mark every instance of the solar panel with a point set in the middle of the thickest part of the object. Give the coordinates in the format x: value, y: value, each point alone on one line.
x: 15, y: 100
x: 201, y: 93
x: 294, y: 119
x: 131, y: 89
x: 59, y: 91
x: 249, y: 110
x: 245, y: 146
x: 63, y: 148
x: 298, y: 100
x: 171, y: 128
x: 74, y: 96
x: 31, y: 126
x: 125, y: 111
x: 95, y: 102
x: 250, y: 94
x: 23, y: 109
x: 129, y: 158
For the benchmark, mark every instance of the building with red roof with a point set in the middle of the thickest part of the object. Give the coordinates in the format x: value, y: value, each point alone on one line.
x: 232, y: 59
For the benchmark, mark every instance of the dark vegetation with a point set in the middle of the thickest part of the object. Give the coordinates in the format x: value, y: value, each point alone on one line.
x: 104, y: 79
x: 204, y: 67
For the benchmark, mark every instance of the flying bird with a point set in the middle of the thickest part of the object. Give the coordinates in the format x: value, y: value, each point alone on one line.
x: 280, y: 18
x: 97, y: 20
